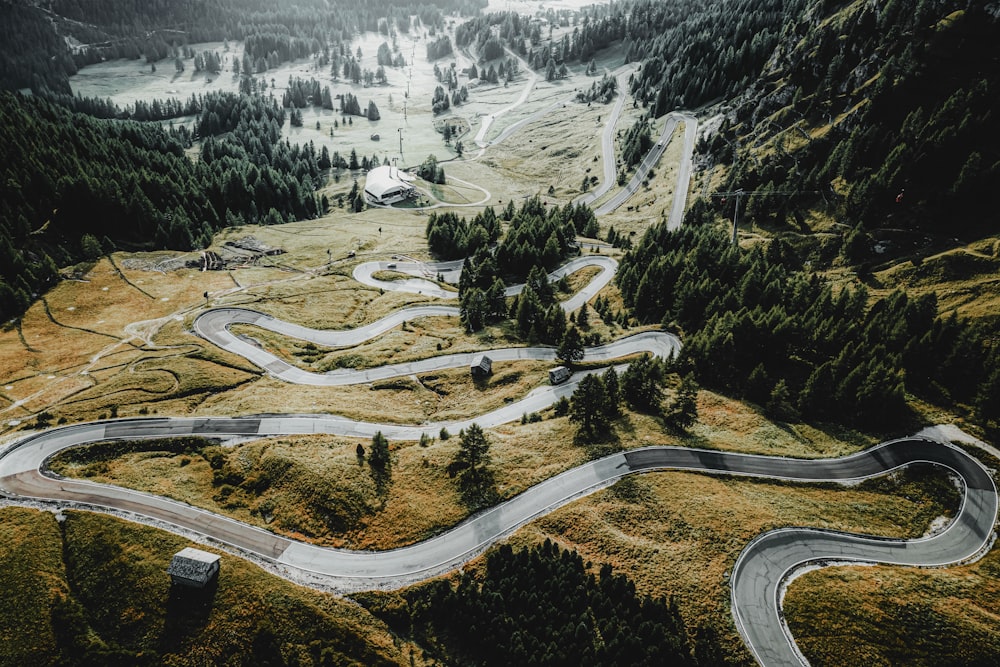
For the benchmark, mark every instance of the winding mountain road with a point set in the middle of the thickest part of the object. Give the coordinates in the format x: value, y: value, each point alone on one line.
x: 450, y: 272
x: 648, y: 162
x: 529, y: 85
x: 761, y: 568
x: 608, y: 140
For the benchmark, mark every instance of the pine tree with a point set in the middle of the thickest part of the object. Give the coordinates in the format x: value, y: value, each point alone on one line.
x: 683, y: 411
x: 779, y: 405
x: 471, y: 466
x: 378, y: 457
x: 987, y: 404
x: 612, y: 389
x: 588, y: 408
x: 571, y: 346
x: 90, y: 246
x: 642, y: 384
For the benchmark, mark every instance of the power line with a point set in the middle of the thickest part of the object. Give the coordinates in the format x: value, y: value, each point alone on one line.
x: 739, y: 194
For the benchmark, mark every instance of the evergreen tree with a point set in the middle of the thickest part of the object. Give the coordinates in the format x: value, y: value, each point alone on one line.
x: 471, y: 465
x: 378, y: 455
x: 571, y: 346
x: 612, y: 389
x: 589, y: 408
x: 642, y: 384
x: 91, y: 247
x: 779, y: 405
x: 683, y: 410
x: 987, y: 403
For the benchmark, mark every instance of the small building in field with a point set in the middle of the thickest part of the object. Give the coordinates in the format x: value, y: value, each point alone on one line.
x: 558, y: 375
x: 193, y: 567
x: 481, y: 366
x: 387, y: 185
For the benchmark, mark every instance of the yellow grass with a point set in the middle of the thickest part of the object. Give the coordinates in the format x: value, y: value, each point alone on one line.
x: 557, y: 151
x: 34, y: 578
x: 421, y: 500
x: 679, y: 534
x: 651, y: 202
x: 965, y: 279
x: 79, y: 332
x: 115, y: 588
x: 671, y: 532
x: 896, y: 615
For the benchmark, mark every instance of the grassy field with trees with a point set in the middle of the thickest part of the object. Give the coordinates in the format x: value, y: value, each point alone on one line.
x: 88, y: 589
x: 858, y: 303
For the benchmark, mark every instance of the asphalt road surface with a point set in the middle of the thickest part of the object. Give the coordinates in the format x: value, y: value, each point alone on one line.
x: 772, y: 557
x: 608, y: 140
x: 450, y: 272
x: 761, y: 568
x: 652, y: 157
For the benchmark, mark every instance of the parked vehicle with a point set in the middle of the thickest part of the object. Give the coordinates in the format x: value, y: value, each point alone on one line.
x: 559, y: 374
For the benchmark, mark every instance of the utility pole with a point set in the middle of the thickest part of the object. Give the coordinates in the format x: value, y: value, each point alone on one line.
x: 736, y: 212
x: 400, y: 131
x: 739, y: 194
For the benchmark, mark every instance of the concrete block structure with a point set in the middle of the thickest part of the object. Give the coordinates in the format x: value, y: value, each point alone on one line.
x: 193, y: 567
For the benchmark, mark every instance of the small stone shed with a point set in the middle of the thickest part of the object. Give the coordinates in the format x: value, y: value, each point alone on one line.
x: 193, y: 567
x: 481, y: 366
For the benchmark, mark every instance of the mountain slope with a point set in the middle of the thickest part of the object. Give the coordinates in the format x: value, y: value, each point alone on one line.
x: 890, y: 111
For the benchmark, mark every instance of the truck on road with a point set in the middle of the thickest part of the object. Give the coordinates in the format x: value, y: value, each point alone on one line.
x: 558, y: 375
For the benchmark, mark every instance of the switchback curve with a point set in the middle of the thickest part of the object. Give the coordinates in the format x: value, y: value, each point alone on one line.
x: 762, y: 566
x: 759, y: 571
x: 425, y: 274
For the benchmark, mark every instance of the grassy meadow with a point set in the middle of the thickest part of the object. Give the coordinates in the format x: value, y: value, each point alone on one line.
x: 92, y: 589
x: 116, y: 340
x: 672, y: 533
x: 896, y: 615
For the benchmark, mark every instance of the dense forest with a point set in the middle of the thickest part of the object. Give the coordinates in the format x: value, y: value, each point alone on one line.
x: 452, y: 237
x: 537, y: 240
x: 759, y: 326
x: 889, y: 111
x: 541, y: 606
x: 536, y: 235
x: 594, y: 28
x: 68, y: 179
x: 690, y: 52
x: 696, y: 52
x: 33, y: 53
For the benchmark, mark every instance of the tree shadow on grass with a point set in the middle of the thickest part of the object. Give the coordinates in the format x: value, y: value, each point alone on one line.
x: 383, y: 481
x: 482, y: 493
x: 599, y: 444
x: 187, y: 612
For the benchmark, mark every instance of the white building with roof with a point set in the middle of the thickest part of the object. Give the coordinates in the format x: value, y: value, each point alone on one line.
x: 386, y: 185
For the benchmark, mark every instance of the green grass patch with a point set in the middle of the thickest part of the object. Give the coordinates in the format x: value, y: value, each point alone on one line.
x: 113, y: 604
x: 33, y: 582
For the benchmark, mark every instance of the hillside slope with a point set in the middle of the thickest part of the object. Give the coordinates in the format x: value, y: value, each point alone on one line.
x: 93, y: 590
x: 888, y: 112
